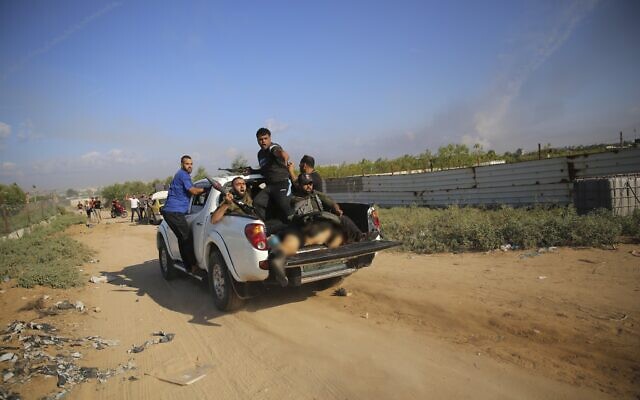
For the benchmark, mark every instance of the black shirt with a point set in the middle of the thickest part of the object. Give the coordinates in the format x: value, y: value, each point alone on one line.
x: 317, y: 181
x: 272, y: 167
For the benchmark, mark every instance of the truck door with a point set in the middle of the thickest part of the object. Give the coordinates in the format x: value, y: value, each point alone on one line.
x: 197, y: 220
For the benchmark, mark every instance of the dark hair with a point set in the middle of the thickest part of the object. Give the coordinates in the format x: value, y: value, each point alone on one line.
x: 262, y: 132
x: 308, y: 160
x: 304, y: 178
x: 235, y: 179
x: 184, y: 157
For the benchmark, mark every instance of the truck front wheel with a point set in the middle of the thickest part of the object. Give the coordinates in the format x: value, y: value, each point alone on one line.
x: 221, y: 284
x: 166, y: 263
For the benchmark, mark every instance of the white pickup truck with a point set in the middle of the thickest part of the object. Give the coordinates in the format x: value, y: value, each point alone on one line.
x: 232, y: 254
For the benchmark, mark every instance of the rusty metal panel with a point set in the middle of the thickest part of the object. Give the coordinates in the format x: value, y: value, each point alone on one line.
x: 348, y: 184
x: 548, y: 181
x: 526, y: 173
x: 559, y: 193
x: 625, y: 161
x: 441, y: 180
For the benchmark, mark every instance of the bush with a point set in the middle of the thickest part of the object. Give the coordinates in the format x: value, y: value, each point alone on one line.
x: 46, y: 256
x: 631, y: 225
x: 424, y: 230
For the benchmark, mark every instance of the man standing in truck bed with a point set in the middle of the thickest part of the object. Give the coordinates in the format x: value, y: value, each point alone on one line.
x: 273, y: 166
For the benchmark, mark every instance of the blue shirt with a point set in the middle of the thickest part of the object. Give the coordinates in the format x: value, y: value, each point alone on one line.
x: 178, y: 197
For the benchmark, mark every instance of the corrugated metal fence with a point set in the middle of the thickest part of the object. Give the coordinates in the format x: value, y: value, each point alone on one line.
x: 548, y: 181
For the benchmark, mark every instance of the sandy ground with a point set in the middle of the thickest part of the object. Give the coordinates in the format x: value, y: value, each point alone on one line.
x: 562, y: 325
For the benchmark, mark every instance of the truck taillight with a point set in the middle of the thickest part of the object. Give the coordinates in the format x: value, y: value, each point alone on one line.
x: 256, y: 235
x: 375, y: 219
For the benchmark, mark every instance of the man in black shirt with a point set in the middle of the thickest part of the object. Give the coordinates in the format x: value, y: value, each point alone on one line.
x: 273, y: 166
x: 307, y: 166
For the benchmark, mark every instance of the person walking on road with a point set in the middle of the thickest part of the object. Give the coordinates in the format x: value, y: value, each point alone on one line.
x: 176, y: 207
x: 97, y: 209
x: 134, y: 202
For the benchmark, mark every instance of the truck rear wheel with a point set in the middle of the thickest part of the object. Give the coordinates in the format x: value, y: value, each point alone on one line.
x: 166, y: 263
x: 221, y: 282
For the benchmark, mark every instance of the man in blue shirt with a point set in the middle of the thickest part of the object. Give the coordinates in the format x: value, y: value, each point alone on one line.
x: 176, y: 207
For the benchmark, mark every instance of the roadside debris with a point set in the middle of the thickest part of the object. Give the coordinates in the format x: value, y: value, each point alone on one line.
x: 33, y: 345
x: 541, y: 277
x: 184, y: 377
x: 102, y: 279
x: 94, y: 261
x: 635, y: 253
x: 99, y: 343
x: 163, y: 337
x: 64, y: 305
x: 79, y: 306
x: 541, y: 250
x: 341, y: 292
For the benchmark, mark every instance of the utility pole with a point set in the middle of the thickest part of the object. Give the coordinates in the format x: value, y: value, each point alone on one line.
x: 621, y: 142
x: 539, y: 152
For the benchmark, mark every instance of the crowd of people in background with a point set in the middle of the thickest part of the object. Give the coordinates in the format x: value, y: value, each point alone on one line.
x: 139, y: 205
x: 93, y: 209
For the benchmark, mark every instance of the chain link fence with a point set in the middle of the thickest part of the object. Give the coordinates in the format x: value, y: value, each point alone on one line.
x: 19, y: 216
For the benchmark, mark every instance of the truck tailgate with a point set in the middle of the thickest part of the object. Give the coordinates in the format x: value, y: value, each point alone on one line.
x: 343, y: 252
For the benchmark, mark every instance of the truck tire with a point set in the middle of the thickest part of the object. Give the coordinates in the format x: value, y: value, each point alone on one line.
x: 221, y: 282
x: 329, y: 283
x: 166, y: 263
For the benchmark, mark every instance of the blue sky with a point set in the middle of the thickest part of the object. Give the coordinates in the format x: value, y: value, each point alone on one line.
x: 93, y: 93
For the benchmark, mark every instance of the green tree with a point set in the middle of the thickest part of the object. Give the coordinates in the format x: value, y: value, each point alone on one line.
x: 72, y: 193
x: 12, y: 195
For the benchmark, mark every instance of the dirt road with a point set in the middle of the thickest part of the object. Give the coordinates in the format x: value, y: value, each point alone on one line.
x: 516, y: 325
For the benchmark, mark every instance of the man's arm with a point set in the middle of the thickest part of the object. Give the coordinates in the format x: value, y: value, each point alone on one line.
x: 217, y: 215
x: 194, y: 191
x: 281, y: 154
x: 328, y: 202
x: 292, y: 174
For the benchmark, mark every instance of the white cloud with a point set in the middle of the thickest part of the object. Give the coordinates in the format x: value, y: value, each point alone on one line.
x: 5, y: 130
x: 10, y: 169
x: 113, y: 156
x: 276, y: 126
x: 8, y: 166
x: 92, y: 157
